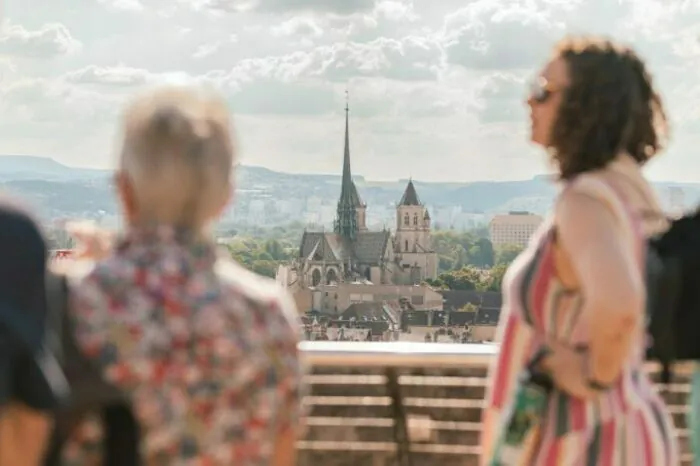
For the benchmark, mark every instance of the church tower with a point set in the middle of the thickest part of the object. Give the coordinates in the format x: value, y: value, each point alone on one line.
x: 413, y: 242
x: 351, y: 211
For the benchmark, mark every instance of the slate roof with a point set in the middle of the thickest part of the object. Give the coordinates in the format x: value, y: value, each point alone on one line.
x: 456, y: 299
x: 372, y: 311
x: 368, y: 247
x: 321, y: 245
x: 410, y: 196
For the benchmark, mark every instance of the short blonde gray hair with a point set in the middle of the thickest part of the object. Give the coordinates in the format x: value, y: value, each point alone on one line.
x: 178, y: 154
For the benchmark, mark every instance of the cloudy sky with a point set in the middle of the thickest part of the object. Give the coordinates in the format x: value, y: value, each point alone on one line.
x: 436, y: 86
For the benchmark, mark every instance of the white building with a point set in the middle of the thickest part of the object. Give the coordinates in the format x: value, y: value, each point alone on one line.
x: 514, y: 228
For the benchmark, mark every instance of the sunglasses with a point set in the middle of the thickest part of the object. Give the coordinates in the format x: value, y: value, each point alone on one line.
x: 541, y: 90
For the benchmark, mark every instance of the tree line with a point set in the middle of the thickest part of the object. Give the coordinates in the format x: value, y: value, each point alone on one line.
x: 466, y: 260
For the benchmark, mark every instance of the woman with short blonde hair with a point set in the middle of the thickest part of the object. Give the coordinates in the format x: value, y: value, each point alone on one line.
x: 206, y: 350
x: 176, y: 158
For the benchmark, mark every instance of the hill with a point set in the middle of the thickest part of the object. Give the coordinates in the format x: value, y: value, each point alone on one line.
x: 44, y: 168
x: 60, y: 191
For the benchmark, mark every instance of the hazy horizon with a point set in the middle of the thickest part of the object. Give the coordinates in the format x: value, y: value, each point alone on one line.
x: 436, y: 88
x: 366, y: 179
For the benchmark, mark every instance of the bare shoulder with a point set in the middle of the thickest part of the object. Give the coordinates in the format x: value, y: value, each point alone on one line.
x: 260, y: 290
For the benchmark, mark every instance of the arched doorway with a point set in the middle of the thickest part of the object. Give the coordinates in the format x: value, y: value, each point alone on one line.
x: 331, y: 276
x: 315, y: 277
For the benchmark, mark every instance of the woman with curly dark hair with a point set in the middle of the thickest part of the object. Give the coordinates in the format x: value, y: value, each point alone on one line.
x: 568, y: 386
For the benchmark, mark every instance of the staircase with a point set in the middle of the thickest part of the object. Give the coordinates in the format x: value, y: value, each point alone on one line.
x: 350, y: 409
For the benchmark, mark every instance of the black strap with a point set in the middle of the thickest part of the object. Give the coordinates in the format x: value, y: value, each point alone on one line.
x: 401, y: 436
x: 121, y: 437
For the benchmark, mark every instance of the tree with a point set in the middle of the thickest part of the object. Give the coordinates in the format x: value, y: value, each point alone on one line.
x: 265, y: 267
x: 458, y: 249
x: 467, y: 278
x: 274, y: 249
x: 471, y: 278
x: 469, y: 307
x: 262, y: 256
x: 481, y: 253
x: 495, y: 278
x: 507, y: 253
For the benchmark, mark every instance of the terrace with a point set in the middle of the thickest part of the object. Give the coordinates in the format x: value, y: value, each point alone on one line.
x: 358, y: 389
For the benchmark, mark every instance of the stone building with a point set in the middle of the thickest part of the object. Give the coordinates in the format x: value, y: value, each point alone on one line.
x: 514, y: 228
x: 352, y: 255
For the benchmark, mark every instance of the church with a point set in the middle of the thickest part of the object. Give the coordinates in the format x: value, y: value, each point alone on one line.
x: 352, y: 253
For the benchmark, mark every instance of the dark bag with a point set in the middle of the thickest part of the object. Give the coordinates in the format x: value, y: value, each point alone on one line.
x: 673, y: 294
x: 90, y: 393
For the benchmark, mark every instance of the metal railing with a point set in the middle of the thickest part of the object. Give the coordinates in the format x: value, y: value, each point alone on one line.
x: 357, y: 390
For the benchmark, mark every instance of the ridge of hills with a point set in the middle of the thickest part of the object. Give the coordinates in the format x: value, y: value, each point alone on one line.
x: 56, y: 190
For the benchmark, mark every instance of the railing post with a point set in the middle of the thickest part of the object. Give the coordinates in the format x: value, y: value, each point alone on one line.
x: 401, y: 437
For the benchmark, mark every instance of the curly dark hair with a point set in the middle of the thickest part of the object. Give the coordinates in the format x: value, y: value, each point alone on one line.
x: 610, y: 106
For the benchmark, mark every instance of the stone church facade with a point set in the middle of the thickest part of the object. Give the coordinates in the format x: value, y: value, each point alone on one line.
x: 351, y: 253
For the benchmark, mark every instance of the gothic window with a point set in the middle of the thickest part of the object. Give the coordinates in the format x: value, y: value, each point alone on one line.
x: 331, y: 276
x: 406, y: 220
x: 405, y: 245
x: 415, y: 219
x: 315, y: 277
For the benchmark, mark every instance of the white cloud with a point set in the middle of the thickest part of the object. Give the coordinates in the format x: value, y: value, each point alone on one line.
x: 282, y: 6
x: 54, y: 101
x: 432, y: 84
x: 113, y: 76
x: 487, y: 35
x: 51, y: 40
x: 408, y: 58
x: 396, y: 10
x: 299, y: 25
x: 127, y: 5
x: 325, y: 6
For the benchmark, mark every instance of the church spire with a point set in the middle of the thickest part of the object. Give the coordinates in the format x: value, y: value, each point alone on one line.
x: 410, y: 196
x: 347, y: 173
x: 346, y: 223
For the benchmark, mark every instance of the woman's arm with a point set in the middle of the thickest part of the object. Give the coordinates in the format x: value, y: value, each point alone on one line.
x: 608, y: 273
x: 24, y: 434
x: 29, y: 393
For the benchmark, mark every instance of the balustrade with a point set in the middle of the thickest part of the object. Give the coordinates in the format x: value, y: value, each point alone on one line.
x: 351, y: 402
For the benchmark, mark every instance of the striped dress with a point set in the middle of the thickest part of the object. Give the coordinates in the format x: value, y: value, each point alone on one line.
x: 625, y: 426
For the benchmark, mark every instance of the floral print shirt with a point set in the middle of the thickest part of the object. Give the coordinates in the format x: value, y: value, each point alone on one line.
x: 206, y: 349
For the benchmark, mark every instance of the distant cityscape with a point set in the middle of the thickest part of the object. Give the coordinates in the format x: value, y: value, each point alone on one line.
x: 266, y: 198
